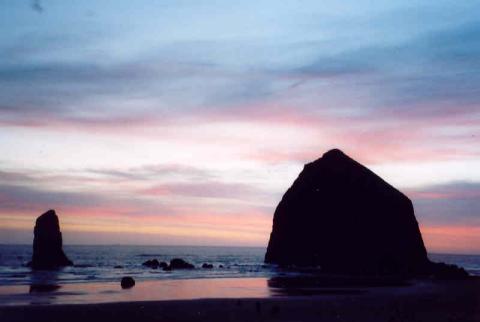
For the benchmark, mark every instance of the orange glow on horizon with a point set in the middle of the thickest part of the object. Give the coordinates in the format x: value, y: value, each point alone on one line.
x: 253, y: 229
x: 452, y: 239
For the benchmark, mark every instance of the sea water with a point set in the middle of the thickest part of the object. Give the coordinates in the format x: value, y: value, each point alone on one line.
x: 110, y: 263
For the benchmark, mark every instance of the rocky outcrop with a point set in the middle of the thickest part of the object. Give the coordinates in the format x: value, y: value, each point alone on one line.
x: 340, y: 216
x: 446, y: 271
x: 178, y: 263
x: 152, y: 263
x: 207, y: 265
x: 155, y: 264
x: 47, y: 243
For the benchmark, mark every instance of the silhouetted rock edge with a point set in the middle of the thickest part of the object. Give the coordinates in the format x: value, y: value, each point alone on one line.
x: 336, y: 192
x: 47, y: 243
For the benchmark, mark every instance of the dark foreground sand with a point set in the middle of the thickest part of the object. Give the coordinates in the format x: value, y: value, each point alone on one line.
x: 421, y: 301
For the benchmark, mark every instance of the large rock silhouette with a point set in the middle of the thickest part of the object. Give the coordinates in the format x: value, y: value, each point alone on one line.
x: 47, y: 243
x: 341, y: 216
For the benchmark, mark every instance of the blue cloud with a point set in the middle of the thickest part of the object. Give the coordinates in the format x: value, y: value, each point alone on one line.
x: 455, y: 203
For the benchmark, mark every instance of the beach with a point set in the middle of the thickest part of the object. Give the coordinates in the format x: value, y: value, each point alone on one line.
x: 239, y: 288
x: 245, y: 299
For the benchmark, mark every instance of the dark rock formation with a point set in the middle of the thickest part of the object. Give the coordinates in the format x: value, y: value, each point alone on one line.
x: 447, y: 271
x: 206, y: 265
x: 127, y: 282
x: 178, y: 263
x: 163, y: 265
x: 342, y: 217
x: 152, y: 263
x: 47, y: 243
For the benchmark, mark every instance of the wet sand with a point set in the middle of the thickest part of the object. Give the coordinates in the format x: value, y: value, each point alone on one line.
x: 255, y: 299
x: 160, y: 290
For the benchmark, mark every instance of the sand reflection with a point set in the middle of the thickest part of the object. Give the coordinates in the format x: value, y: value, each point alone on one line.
x: 143, y: 291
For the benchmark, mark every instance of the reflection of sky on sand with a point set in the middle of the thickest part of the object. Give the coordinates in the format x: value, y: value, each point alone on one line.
x: 43, y: 277
x: 143, y: 291
x: 186, y: 289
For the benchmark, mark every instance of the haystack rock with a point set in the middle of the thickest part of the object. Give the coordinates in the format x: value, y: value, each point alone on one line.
x: 340, y: 216
x: 47, y: 243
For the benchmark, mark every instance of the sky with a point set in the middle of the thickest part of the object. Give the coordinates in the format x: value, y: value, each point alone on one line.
x: 184, y: 122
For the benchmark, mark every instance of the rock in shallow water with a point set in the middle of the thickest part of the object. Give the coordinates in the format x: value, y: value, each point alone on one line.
x: 178, y: 263
x: 163, y: 265
x: 206, y: 265
x: 127, y: 282
x: 342, y: 217
x: 152, y: 263
x: 47, y: 243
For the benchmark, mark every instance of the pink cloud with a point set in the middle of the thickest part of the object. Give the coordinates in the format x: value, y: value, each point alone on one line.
x: 452, y: 239
x: 206, y: 189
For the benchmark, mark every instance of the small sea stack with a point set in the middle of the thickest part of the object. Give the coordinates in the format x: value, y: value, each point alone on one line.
x: 343, y: 218
x: 47, y: 243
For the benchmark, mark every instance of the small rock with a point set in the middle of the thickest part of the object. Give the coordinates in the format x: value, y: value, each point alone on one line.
x: 178, y: 263
x: 220, y: 266
x: 127, y: 282
x: 118, y: 266
x: 206, y: 265
x: 163, y: 265
x: 152, y: 263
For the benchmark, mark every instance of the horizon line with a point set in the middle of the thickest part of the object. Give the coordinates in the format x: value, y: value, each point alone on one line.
x: 217, y: 246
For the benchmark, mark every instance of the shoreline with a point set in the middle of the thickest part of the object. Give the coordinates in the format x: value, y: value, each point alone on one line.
x: 147, y: 290
x: 196, y: 288
x: 420, y: 301
x: 109, y: 264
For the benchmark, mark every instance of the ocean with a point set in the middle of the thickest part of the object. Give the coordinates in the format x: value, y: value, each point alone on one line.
x: 97, y: 263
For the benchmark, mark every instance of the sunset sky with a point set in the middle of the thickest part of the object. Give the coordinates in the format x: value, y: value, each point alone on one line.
x: 184, y: 122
